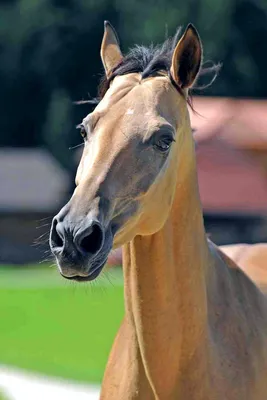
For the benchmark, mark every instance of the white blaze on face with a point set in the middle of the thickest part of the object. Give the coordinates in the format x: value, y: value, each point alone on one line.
x: 130, y: 111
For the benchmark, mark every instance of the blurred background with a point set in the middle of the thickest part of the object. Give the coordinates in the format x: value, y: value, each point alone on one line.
x: 50, y: 59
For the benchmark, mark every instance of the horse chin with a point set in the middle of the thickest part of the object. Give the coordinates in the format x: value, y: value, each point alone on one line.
x: 92, y: 274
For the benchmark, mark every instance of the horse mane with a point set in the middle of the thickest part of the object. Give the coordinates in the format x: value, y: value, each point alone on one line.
x: 152, y: 61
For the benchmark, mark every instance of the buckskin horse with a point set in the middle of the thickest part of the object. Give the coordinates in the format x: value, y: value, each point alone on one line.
x: 195, y: 325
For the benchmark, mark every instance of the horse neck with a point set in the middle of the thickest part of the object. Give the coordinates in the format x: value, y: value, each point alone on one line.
x: 165, y: 289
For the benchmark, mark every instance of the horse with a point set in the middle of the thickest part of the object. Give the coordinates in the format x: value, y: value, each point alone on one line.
x: 195, y: 326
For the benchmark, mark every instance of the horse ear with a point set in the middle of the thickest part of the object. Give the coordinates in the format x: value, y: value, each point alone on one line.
x: 110, y: 48
x: 187, y: 58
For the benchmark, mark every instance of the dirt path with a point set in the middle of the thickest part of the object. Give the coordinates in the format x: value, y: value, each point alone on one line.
x: 21, y: 385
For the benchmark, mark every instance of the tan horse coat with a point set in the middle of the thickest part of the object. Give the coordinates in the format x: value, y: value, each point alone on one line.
x: 251, y: 258
x: 195, y: 325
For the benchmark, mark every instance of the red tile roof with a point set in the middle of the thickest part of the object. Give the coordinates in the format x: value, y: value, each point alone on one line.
x: 230, y: 179
x: 242, y: 123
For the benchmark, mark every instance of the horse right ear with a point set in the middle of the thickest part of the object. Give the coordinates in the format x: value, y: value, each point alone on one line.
x: 110, y: 49
x: 187, y: 58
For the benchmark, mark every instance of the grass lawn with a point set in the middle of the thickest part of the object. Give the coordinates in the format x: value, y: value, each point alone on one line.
x: 59, y: 328
x: 2, y: 396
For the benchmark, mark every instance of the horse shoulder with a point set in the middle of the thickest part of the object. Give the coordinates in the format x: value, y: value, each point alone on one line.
x: 237, y: 312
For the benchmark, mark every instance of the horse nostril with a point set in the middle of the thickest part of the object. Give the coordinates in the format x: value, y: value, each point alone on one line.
x: 57, y: 237
x: 92, y: 242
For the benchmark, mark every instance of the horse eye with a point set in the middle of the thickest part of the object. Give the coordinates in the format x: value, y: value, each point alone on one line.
x: 83, y: 131
x: 164, y: 143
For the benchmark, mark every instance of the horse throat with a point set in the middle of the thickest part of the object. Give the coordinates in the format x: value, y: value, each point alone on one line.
x: 165, y: 293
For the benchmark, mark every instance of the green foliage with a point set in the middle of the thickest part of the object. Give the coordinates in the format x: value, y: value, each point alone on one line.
x: 50, y: 56
x: 57, y: 328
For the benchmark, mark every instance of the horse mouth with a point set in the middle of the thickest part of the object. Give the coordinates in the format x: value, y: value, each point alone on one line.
x: 93, y: 274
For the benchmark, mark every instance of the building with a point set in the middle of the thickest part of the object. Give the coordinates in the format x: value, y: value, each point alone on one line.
x: 231, y: 143
x: 33, y: 188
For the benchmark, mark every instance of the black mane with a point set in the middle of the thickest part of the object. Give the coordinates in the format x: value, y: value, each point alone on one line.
x: 151, y: 61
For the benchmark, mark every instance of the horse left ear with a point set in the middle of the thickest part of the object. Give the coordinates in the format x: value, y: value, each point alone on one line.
x: 187, y: 58
x: 110, y: 49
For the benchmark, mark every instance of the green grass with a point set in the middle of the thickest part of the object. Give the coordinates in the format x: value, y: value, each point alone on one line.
x: 56, y: 327
x: 3, y: 397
